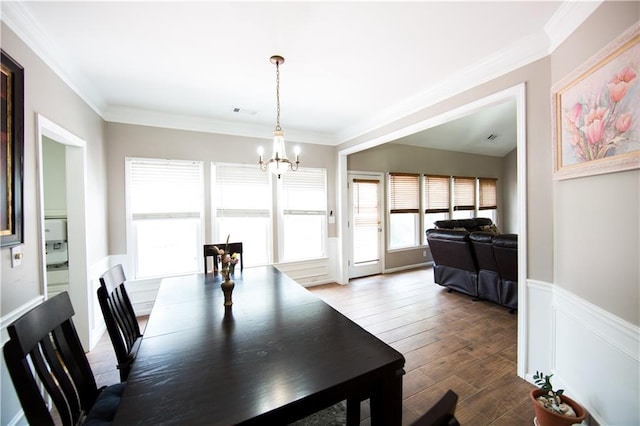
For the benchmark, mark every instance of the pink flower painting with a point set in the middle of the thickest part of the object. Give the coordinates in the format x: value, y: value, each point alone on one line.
x: 600, y: 113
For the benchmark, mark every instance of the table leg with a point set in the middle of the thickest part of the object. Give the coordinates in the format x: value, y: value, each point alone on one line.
x: 386, y: 401
x: 353, y: 411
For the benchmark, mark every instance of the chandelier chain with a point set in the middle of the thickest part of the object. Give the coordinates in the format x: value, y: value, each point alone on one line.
x: 278, y: 96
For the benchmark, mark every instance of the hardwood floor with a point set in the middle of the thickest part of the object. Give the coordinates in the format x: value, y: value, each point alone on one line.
x: 448, y: 340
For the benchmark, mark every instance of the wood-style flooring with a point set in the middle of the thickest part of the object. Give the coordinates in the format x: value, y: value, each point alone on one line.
x: 448, y: 340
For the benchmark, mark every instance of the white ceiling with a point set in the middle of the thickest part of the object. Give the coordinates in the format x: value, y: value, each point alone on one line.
x: 350, y: 66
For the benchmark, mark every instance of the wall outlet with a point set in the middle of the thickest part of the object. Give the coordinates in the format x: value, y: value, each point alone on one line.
x: 424, y: 253
x: 16, y: 256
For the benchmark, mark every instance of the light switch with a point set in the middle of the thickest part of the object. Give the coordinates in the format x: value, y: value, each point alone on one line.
x: 16, y: 256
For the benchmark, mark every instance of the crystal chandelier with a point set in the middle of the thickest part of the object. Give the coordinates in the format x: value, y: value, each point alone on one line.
x: 278, y: 163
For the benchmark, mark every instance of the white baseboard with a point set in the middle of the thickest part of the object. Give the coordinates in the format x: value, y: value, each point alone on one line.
x: 593, y: 354
x: 407, y: 267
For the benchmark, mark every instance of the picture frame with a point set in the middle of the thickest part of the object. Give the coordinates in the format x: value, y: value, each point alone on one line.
x: 596, y: 112
x: 11, y: 152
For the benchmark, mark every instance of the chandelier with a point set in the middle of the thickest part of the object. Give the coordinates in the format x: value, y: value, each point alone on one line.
x: 278, y: 163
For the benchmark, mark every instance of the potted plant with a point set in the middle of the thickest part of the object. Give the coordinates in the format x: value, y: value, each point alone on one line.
x: 552, y: 407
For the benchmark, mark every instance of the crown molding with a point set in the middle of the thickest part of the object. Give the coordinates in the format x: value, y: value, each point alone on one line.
x: 18, y: 18
x: 519, y: 54
x: 569, y: 16
x: 143, y: 117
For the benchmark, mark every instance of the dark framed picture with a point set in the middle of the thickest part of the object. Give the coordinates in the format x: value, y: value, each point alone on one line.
x: 11, y: 152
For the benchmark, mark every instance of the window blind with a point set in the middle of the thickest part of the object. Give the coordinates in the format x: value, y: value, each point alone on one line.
x: 436, y: 194
x: 404, y: 193
x: 365, y: 203
x: 241, y: 190
x: 464, y: 193
x: 165, y: 187
x: 488, y: 193
x: 304, y: 191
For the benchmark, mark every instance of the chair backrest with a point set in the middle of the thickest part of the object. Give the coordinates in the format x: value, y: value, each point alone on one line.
x: 505, y: 250
x: 442, y: 413
x: 482, y: 243
x: 210, y: 251
x: 451, y: 248
x: 120, y: 318
x: 46, y: 339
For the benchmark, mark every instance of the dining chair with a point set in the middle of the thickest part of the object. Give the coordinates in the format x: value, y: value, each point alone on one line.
x: 209, y: 251
x: 442, y: 413
x: 120, y: 318
x: 44, y: 343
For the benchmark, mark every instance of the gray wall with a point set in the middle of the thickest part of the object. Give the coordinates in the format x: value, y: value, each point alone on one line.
x: 596, y: 229
x: 54, y: 178
x: 48, y: 95
x: 127, y: 140
x: 392, y: 157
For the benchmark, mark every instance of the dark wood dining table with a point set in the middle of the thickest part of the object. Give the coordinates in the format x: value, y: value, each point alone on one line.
x: 277, y: 355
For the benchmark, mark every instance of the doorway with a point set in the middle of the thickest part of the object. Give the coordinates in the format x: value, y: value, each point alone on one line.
x: 75, y: 189
x: 517, y: 93
x: 365, y: 224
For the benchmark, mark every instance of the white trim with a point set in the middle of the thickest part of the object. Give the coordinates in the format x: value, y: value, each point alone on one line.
x: 574, y: 339
x: 517, y: 92
x: 515, y: 55
x: 407, y: 267
x: 523, y: 239
x: 7, y: 319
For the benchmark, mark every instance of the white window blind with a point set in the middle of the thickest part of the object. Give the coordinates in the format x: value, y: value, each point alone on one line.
x: 488, y: 194
x: 242, y: 205
x: 303, y: 204
x: 165, y: 188
x: 436, y: 194
x: 464, y: 193
x: 165, y: 209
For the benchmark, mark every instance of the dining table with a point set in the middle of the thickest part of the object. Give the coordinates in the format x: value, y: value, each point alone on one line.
x: 276, y: 355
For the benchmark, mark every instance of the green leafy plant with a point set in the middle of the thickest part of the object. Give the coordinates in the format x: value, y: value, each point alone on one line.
x: 550, y: 398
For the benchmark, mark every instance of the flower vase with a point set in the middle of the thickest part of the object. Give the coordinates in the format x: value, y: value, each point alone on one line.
x: 227, y: 288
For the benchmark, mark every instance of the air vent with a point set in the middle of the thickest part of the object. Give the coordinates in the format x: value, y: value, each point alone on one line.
x: 244, y: 111
x: 491, y: 137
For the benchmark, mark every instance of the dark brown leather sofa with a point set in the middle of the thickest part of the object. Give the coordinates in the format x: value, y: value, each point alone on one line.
x: 478, y: 263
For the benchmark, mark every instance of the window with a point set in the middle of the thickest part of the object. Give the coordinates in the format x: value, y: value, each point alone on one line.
x: 242, y: 200
x: 464, y: 197
x: 436, y: 200
x: 488, y: 204
x: 404, y: 208
x: 303, y: 207
x: 164, y: 215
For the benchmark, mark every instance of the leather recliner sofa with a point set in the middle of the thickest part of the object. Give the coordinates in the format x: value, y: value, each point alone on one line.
x: 479, y: 264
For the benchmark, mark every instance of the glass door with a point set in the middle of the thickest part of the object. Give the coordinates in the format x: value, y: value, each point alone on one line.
x: 365, y: 225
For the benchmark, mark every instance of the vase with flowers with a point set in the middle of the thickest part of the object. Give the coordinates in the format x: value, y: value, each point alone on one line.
x: 228, y: 262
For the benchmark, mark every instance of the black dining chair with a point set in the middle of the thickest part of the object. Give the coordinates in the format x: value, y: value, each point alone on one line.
x: 210, y: 251
x: 44, y: 347
x: 120, y: 318
x: 442, y: 413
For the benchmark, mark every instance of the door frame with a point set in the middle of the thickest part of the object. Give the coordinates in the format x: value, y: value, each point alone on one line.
x: 381, y: 210
x: 517, y: 93
x: 76, y: 176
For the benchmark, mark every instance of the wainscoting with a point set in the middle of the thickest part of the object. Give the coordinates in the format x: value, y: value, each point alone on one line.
x: 593, y: 354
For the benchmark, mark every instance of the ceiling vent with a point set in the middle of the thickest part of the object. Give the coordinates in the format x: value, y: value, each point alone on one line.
x: 491, y: 137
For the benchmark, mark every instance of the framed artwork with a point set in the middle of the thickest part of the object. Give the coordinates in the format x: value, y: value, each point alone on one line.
x: 596, y: 112
x: 11, y: 152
